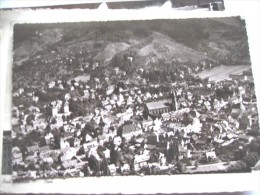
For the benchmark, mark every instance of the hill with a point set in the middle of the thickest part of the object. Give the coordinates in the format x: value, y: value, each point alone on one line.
x: 164, y: 47
x: 56, y: 51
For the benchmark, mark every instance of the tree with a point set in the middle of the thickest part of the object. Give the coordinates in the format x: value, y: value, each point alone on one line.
x: 44, y: 166
x: 31, y: 167
x: 179, y: 167
x: 81, y: 151
x: 42, y: 142
x: 251, y: 159
x: 104, y: 167
x: 85, y: 170
x: 33, y: 136
x: 154, y: 157
x: 173, y: 151
x: 238, y: 166
x: 94, y: 164
x: 254, y: 145
x: 56, y: 142
x: 53, y: 120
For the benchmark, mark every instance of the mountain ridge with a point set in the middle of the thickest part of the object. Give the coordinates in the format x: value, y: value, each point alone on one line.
x: 63, y: 50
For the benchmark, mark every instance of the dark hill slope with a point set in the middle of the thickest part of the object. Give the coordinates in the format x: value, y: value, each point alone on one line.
x: 59, y: 51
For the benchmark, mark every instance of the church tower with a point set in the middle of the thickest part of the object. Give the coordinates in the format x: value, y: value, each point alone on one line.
x: 174, y: 105
x: 66, y: 107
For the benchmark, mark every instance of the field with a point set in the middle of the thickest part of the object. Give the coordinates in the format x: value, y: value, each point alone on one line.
x: 222, y: 72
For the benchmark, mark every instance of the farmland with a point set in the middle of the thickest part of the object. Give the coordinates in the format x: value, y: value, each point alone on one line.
x: 222, y: 72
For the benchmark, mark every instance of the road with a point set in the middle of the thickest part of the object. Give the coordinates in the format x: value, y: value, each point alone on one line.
x: 221, y: 166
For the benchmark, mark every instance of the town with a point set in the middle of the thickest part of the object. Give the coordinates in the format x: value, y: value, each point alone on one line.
x: 117, y: 118
x: 134, y: 130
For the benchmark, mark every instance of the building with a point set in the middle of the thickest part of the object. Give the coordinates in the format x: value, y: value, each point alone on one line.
x: 131, y: 130
x: 161, y: 147
x: 17, y: 157
x: 45, y: 151
x: 237, y: 76
x: 102, y: 139
x: 157, y: 108
x: 140, y: 161
x: 152, y: 139
x: 33, y: 149
x: 92, y: 144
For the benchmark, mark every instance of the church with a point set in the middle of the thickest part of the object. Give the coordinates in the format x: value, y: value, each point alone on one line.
x: 156, y: 108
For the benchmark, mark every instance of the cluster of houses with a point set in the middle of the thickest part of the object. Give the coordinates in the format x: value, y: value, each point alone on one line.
x: 130, y: 131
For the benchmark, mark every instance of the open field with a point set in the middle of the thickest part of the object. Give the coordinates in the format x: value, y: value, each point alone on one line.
x: 222, y: 72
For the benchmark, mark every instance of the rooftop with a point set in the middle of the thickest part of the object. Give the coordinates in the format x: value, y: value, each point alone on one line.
x: 158, y: 104
x: 44, y: 148
x: 33, y: 148
x: 128, y: 128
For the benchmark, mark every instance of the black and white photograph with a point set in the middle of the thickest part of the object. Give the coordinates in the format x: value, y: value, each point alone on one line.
x: 133, y: 98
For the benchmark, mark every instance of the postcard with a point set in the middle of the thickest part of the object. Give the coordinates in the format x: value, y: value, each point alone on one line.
x: 102, y: 102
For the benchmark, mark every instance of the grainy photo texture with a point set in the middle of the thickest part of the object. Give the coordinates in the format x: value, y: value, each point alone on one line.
x: 154, y: 97
x: 7, y: 153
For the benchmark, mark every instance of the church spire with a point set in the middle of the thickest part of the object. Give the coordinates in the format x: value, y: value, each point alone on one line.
x: 174, y: 100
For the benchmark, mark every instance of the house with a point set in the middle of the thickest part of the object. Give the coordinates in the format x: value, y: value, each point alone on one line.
x: 236, y: 110
x: 184, y: 152
x: 67, y: 135
x: 77, y: 142
x: 166, y: 116
x: 194, y: 138
x: 237, y: 76
x: 201, y: 142
x: 147, y: 123
x: 151, y: 139
x: 244, y: 122
x: 107, y: 153
x: 117, y: 140
x: 102, y: 139
x: 44, y: 149
x: 17, y: 157
x: 54, y: 111
x: 30, y: 159
x: 47, y: 153
x: 71, y: 173
x: 69, y: 163
x: 92, y: 144
x: 92, y: 125
x: 33, y: 149
x: 110, y: 89
x: 40, y: 124
x: 161, y: 147
x: 211, y: 155
x: 49, y: 160
x: 66, y: 108
x: 49, y: 138
x: 79, y: 164
x: 141, y: 160
x: 64, y: 143
x: 245, y: 138
x: 125, y: 168
x: 112, y: 169
x: 150, y: 147
x: 16, y: 149
x: 130, y: 130
x: 66, y: 158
